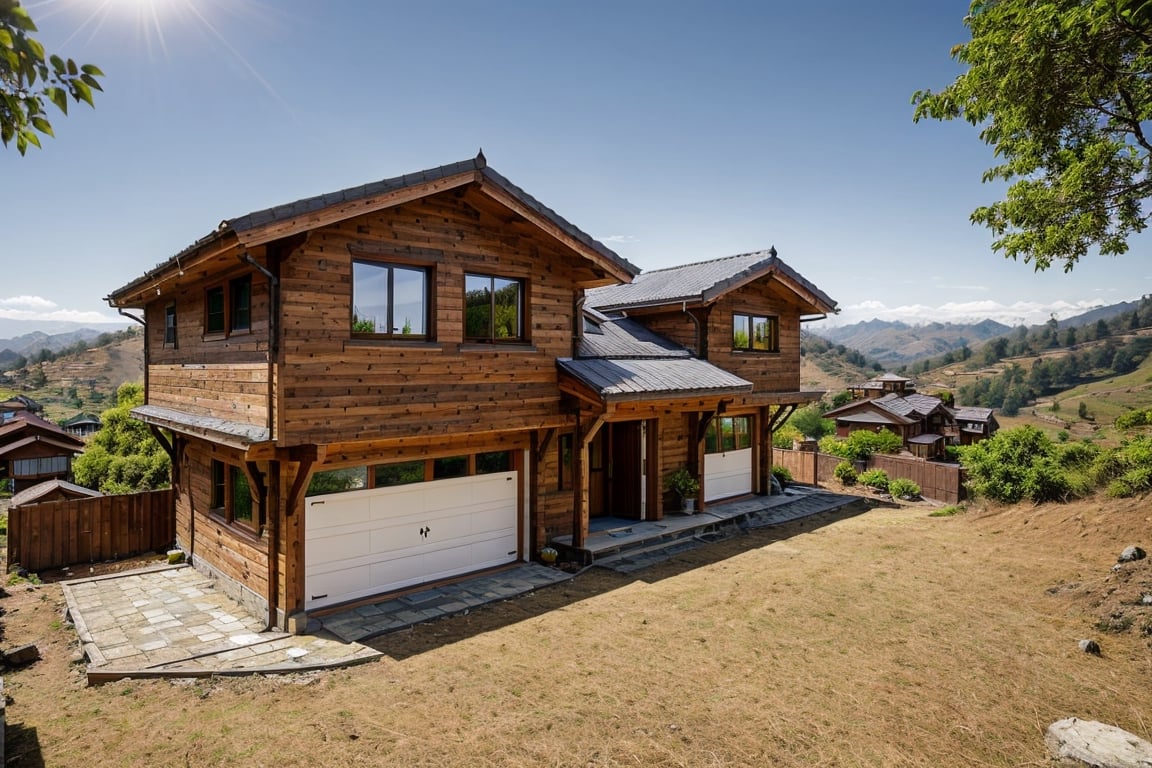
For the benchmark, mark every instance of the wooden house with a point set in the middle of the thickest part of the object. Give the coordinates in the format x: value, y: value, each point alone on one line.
x: 884, y: 384
x: 923, y: 422
x: 974, y: 424
x: 393, y: 384
x: 33, y: 450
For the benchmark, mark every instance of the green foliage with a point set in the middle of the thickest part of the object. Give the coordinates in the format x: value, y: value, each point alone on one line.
x: 947, y: 511
x: 783, y: 437
x: 1062, y: 91
x: 861, y: 444
x: 1024, y: 463
x: 682, y: 482
x: 874, y: 478
x: 841, y: 398
x: 30, y: 79
x: 1127, y: 470
x: 810, y: 422
x: 1134, y: 418
x: 123, y: 457
x: 903, y: 488
x: 845, y: 473
x: 782, y: 474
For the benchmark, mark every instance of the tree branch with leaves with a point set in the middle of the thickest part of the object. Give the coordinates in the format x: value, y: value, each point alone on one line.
x: 30, y: 79
x: 1062, y: 91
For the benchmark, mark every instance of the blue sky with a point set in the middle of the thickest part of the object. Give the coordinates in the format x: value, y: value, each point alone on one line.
x: 672, y: 131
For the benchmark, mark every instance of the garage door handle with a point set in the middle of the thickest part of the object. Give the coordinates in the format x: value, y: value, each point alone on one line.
x: 425, y: 531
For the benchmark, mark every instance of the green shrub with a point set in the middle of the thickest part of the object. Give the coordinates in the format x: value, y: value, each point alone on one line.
x: 903, y: 488
x: 1132, y: 419
x: 947, y: 511
x: 845, y: 473
x: 1016, y: 464
x: 861, y: 444
x: 874, y: 478
x: 782, y: 474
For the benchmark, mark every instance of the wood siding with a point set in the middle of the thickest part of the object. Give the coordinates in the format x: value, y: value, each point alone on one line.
x: 337, y: 389
x: 768, y: 371
x: 233, y: 550
x: 225, y: 375
x: 58, y: 533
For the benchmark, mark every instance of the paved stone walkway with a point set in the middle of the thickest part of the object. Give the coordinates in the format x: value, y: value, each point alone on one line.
x: 367, y: 621
x: 172, y: 622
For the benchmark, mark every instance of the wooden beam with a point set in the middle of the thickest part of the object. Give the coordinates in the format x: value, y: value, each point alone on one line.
x: 545, y: 444
x: 705, y: 419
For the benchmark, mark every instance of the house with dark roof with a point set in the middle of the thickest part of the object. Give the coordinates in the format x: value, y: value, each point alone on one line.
x: 82, y: 424
x: 431, y: 375
x: 884, y: 384
x: 33, y: 450
x: 924, y: 423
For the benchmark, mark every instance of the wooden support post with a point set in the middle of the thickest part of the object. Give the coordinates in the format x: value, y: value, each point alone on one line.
x: 581, y: 478
x: 653, y: 464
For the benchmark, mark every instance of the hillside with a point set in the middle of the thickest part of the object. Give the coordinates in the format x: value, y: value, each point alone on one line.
x: 80, y: 381
x: 893, y: 343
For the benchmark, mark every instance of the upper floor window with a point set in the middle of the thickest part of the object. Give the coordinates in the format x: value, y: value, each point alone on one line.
x: 493, y: 308
x: 389, y: 300
x: 755, y: 332
x: 228, y: 309
x: 170, y: 325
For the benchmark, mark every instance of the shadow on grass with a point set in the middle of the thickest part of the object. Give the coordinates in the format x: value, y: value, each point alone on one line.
x: 594, y: 581
x: 22, y: 746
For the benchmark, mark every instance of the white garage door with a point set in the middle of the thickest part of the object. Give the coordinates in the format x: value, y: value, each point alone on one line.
x: 362, y: 543
x: 727, y: 474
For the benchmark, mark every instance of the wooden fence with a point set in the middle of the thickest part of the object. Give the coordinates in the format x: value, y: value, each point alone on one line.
x: 938, y: 481
x: 58, y: 533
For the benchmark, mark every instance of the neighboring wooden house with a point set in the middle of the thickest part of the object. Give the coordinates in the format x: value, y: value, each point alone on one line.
x: 18, y: 404
x: 923, y: 422
x: 884, y: 384
x: 393, y: 384
x: 974, y: 424
x: 82, y: 425
x: 33, y: 450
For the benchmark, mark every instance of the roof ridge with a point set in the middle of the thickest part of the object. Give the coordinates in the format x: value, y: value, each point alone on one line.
x: 770, y: 251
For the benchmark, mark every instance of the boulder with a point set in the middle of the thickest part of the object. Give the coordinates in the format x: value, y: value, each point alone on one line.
x: 1131, y: 554
x: 1088, y: 742
x: 1090, y: 646
x: 24, y: 654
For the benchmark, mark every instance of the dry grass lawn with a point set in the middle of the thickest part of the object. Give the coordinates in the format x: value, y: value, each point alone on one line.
x: 889, y: 638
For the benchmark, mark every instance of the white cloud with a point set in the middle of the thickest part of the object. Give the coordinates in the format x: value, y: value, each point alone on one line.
x: 39, y: 309
x: 31, y: 302
x: 1020, y: 312
x: 619, y: 239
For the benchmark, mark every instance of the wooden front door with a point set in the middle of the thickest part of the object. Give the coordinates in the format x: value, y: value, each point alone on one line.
x: 615, y: 471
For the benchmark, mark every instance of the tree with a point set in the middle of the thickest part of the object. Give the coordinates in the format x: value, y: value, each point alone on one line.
x: 1062, y: 91
x: 123, y: 457
x: 30, y: 79
x: 810, y: 422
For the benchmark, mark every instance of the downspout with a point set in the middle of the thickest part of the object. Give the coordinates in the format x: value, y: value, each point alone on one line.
x: 272, y: 516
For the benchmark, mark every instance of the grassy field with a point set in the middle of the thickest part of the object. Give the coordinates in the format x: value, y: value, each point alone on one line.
x: 888, y: 638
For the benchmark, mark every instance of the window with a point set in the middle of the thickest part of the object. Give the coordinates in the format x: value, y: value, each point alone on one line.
x: 493, y: 309
x: 48, y: 465
x: 240, y: 291
x: 170, y: 325
x: 755, y: 332
x: 389, y: 300
x: 450, y: 466
x: 728, y: 433
x: 399, y: 474
x: 226, y: 310
x: 493, y: 462
x: 231, y: 496
x: 214, y: 310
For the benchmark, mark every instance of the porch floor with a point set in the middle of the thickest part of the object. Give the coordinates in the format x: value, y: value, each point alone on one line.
x: 610, y: 535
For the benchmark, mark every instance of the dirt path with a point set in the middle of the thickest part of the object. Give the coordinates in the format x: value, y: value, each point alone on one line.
x: 889, y: 638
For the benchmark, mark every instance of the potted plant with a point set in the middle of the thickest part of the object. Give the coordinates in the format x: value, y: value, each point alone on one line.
x: 686, y: 487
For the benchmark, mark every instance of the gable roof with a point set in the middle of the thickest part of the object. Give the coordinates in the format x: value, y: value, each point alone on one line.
x: 14, y: 447
x: 50, y: 487
x: 909, y: 408
x: 25, y: 424
x: 705, y: 281
x: 268, y: 224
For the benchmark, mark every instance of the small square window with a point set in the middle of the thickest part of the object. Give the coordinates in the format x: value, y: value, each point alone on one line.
x: 493, y: 309
x: 755, y: 332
